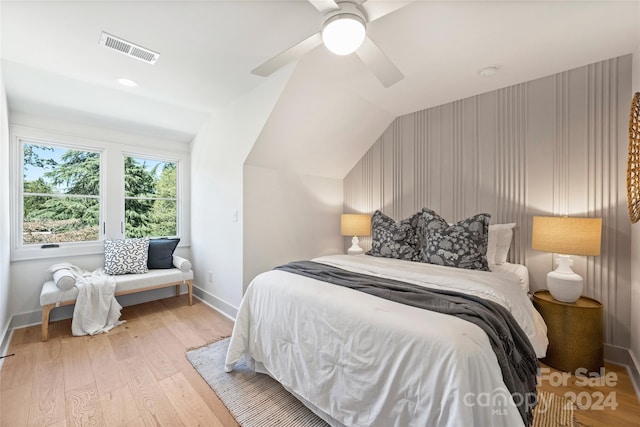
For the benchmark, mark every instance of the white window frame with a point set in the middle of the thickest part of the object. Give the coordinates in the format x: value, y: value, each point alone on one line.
x: 111, y: 189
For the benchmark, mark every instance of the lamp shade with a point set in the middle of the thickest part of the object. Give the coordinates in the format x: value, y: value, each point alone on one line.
x: 355, y: 225
x: 567, y: 236
x: 344, y: 33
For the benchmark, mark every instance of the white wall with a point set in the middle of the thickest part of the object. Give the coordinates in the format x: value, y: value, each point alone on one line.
x: 318, y: 128
x: 288, y: 217
x: 27, y: 276
x: 4, y: 216
x: 217, y: 156
x: 635, y: 239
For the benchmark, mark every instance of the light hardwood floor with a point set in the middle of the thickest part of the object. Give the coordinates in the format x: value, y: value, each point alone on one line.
x: 137, y: 375
x: 598, y: 404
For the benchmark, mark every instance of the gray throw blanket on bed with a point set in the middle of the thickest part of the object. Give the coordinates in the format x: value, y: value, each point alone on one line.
x: 516, y: 356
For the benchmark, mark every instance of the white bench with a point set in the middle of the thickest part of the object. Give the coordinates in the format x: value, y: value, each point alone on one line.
x: 52, y: 296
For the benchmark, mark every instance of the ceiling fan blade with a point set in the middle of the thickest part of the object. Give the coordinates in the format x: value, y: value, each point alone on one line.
x: 283, y: 58
x: 378, y: 63
x: 324, y: 5
x: 379, y: 8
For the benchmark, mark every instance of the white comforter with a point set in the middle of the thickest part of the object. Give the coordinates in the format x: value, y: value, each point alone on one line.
x: 358, y: 360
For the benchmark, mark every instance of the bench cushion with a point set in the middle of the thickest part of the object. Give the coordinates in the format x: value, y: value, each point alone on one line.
x: 51, y: 294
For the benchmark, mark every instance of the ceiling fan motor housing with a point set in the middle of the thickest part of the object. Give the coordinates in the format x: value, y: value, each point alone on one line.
x: 347, y: 8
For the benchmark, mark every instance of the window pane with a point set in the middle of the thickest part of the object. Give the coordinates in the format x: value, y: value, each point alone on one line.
x: 49, y: 169
x: 163, y: 218
x: 150, y: 198
x: 138, y: 217
x: 149, y: 178
x: 158, y: 218
x: 50, y: 219
x: 60, y: 194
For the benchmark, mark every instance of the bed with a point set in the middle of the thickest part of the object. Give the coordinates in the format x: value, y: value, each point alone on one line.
x: 358, y: 360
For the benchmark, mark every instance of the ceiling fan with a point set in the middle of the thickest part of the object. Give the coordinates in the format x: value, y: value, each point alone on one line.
x: 343, y: 32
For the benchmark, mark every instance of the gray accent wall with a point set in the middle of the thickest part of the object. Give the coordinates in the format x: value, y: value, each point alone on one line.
x: 552, y: 146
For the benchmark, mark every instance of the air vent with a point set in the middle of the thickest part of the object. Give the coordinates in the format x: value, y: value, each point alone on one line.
x: 129, y: 49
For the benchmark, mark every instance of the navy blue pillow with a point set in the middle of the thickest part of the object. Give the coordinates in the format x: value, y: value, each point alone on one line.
x: 161, y: 252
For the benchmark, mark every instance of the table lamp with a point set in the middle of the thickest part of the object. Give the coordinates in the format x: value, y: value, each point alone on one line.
x: 566, y: 236
x: 355, y: 225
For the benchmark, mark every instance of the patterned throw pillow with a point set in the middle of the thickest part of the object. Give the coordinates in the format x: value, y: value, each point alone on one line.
x: 462, y: 245
x: 391, y: 239
x: 126, y: 256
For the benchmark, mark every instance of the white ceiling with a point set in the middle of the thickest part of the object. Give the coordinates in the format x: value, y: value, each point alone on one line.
x: 53, y: 65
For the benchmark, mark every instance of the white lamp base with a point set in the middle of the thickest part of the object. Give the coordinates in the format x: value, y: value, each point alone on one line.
x: 564, y: 285
x: 355, y: 248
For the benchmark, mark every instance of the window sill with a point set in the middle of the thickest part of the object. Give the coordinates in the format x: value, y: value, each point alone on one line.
x: 65, y: 250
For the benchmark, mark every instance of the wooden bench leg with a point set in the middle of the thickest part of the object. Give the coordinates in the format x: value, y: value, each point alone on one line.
x: 178, y: 290
x: 46, y: 310
x: 190, y: 291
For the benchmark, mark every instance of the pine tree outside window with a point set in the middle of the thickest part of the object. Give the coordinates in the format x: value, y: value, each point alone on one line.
x: 61, y: 194
x: 150, y: 197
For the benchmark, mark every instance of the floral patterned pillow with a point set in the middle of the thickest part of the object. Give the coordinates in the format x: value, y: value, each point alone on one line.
x: 461, y: 245
x: 391, y: 239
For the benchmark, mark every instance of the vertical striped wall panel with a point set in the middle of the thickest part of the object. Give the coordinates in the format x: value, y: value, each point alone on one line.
x: 552, y: 146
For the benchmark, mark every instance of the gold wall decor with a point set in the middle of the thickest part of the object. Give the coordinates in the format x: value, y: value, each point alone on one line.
x: 633, y: 165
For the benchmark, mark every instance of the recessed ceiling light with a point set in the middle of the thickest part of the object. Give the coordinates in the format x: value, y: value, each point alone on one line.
x: 488, y: 71
x: 126, y: 82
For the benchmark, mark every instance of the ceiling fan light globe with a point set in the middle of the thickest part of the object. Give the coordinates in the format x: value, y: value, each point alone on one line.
x: 343, y: 34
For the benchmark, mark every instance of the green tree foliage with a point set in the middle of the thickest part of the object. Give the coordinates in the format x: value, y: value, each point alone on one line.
x: 79, y: 174
x: 31, y: 158
x: 163, y: 214
x: 35, y: 203
x: 61, y: 219
x: 76, y: 217
x: 138, y: 182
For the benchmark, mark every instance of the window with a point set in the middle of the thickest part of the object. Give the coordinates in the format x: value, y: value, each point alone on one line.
x: 150, y: 204
x: 60, y: 194
x: 69, y: 193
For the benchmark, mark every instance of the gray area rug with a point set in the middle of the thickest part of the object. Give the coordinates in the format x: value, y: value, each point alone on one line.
x: 257, y: 400
x: 254, y: 400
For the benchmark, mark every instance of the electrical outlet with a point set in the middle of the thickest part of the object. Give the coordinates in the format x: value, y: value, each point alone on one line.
x: 210, y: 277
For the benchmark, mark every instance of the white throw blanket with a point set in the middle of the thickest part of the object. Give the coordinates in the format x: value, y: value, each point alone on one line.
x: 96, y: 310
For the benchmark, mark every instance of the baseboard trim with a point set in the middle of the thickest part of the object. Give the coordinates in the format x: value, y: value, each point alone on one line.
x: 32, y: 318
x: 4, y: 343
x: 634, y: 373
x: 623, y: 356
x: 218, y: 304
x: 24, y: 320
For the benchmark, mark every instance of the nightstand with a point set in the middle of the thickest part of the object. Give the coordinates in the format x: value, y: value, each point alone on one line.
x: 575, y: 332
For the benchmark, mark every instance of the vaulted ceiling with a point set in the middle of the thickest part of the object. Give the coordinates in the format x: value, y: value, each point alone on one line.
x: 53, y: 65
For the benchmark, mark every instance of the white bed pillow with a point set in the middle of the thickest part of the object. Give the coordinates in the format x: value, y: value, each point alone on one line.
x: 500, y: 236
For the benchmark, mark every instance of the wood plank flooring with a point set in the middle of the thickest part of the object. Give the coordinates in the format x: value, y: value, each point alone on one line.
x: 138, y: 375
x: 598, y: 404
